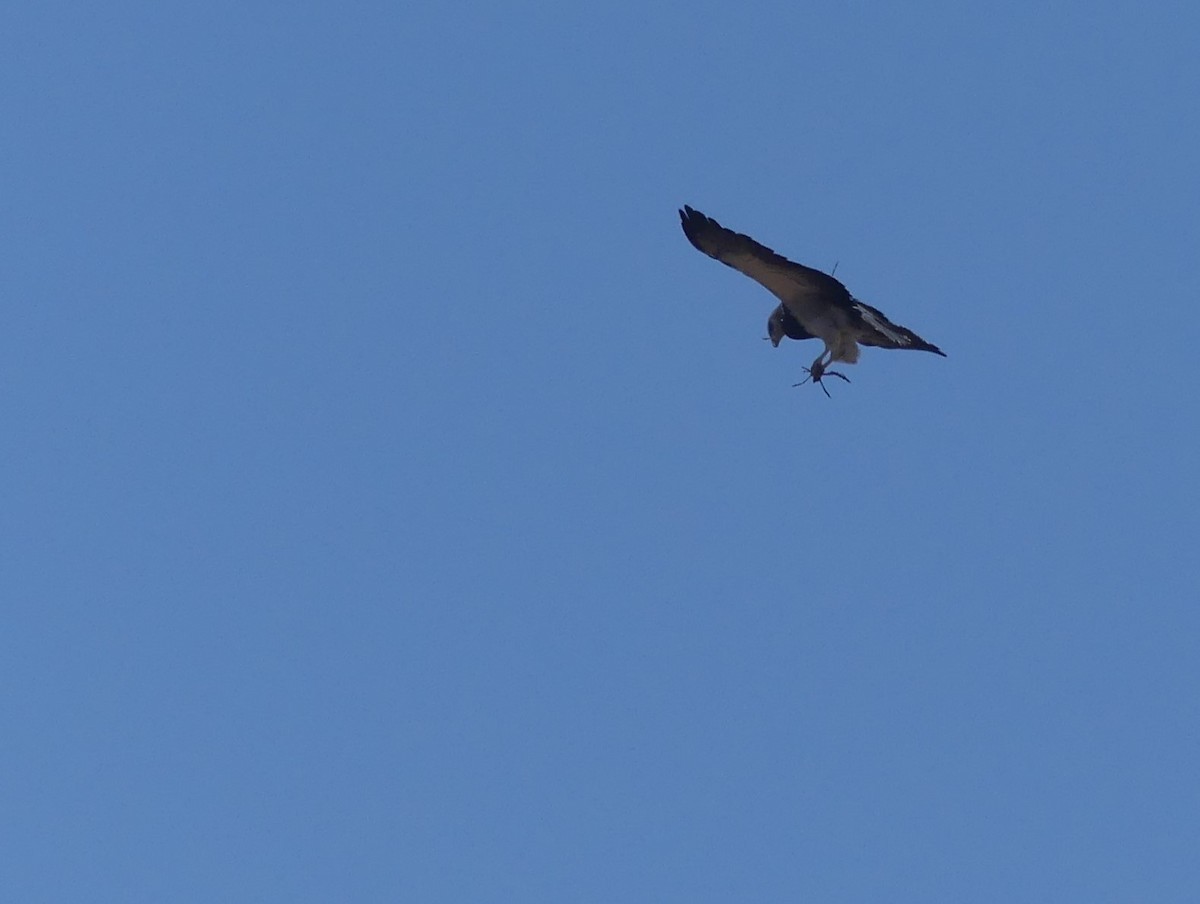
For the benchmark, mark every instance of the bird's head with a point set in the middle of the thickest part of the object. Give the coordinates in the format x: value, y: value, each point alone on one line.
x: 775, y: 327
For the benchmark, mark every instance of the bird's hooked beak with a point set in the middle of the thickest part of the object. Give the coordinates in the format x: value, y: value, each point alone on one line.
x: 775, y: 331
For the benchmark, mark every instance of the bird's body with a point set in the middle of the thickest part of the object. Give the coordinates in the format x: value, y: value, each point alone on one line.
x: 814, y: 305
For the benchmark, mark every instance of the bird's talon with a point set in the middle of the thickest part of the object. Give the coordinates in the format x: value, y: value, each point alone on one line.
x: 816, y: 375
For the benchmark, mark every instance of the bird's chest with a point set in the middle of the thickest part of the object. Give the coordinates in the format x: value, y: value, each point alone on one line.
x: 824, y: 321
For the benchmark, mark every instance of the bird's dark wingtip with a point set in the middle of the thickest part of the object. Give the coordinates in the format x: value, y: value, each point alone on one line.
x: 694, y: 223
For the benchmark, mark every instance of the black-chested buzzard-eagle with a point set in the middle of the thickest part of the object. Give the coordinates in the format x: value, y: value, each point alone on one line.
x: 814, y: 304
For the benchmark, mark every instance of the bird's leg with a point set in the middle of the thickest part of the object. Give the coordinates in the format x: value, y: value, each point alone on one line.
x: 818, y: 371
x: 818, y: 368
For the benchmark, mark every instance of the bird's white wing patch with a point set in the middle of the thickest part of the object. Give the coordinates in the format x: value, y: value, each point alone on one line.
x: 881, y: 326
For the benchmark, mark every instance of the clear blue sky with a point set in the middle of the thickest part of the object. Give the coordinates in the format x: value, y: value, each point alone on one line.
x: 397, y: 508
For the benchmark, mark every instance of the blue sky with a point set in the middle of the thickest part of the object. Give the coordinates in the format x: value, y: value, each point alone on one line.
x: 397, y: 508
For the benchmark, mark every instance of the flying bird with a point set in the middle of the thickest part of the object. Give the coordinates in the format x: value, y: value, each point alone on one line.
x: 814, y: 304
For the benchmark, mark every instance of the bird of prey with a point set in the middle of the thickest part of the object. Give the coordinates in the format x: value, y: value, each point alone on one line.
x: 814, y: 304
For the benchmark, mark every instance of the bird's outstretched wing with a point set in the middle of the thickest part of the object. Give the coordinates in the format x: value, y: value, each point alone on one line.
x: 788, y: 281
x: 873, y: 328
